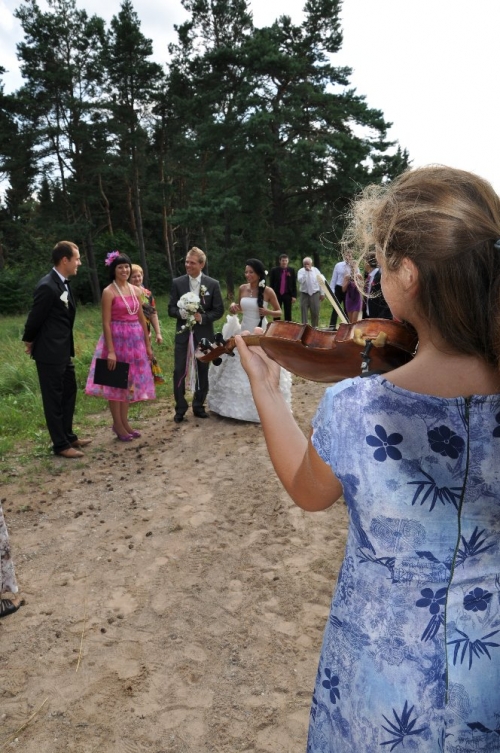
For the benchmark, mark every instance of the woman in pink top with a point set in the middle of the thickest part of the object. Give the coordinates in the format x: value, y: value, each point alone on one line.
x: 125, y: 338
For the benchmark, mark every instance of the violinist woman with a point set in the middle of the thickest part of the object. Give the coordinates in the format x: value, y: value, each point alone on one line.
x: 229, y: 392
x: 411, y: 650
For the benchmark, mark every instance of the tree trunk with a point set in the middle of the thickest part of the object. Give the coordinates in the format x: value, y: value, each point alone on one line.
x: 140, y: 234
x: 94, y: 279
x: 131, y: 214
x: 106, y: 206
x: 166, y: 232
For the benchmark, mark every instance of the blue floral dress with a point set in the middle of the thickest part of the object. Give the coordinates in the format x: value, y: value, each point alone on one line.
x: 411, y: 652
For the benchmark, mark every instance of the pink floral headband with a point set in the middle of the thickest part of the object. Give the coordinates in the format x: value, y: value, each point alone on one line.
x: 111, y: 257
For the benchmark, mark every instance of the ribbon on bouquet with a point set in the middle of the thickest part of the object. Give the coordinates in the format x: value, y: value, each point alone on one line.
x: 191, y: 373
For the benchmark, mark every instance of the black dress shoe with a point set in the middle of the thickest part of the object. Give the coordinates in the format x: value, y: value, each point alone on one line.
x: 7, y: 607
x: 201, y: 413
x: 178, y: 418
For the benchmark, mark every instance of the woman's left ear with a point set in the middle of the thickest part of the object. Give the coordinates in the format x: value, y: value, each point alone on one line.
x: 409, y: 276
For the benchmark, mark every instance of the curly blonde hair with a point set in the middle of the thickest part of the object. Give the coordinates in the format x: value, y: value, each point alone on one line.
x: 447, y: 221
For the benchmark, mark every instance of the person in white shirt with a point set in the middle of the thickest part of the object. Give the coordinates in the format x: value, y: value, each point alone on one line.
x: 310, y: 291
x: 340, y: 270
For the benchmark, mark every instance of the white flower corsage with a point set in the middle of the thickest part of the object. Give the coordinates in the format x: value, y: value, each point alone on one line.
x: 64, y: 298
x: 203, y: 291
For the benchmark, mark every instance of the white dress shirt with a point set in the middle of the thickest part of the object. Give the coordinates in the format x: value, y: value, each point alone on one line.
x: 307, y: 279
x: 340, y: 270
x: 368, y: 288
x: 195, y: 284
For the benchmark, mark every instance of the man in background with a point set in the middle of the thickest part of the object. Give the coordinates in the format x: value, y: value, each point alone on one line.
x: 283, y: 281
x: 340, y: 270
x: 310, y: 291
x: 374, y: 304
x: 48, y: 337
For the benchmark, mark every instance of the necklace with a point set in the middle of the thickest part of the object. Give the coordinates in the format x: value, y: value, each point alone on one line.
x: 135, y: 301
x: 251, y: 291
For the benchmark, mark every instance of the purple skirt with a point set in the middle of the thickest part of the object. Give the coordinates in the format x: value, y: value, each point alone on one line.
x: 352, y: 300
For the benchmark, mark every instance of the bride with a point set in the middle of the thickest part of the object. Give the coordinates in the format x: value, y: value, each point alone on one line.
x: 229, y: 391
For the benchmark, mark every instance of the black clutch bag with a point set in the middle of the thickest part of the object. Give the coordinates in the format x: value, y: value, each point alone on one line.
x: 116, y: 378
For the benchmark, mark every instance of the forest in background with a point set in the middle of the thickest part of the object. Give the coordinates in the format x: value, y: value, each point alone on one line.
x: 249, y: 142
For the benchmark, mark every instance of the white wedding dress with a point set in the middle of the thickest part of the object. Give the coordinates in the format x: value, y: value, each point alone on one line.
x: 229, y: 392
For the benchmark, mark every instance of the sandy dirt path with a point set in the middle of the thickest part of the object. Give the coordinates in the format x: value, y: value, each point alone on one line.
x: 175, y: 596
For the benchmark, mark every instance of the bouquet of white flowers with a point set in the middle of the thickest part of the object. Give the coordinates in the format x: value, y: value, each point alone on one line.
x: 188, y: 304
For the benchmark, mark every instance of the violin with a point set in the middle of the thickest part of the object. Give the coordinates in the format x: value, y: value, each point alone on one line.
x: 370, y: 346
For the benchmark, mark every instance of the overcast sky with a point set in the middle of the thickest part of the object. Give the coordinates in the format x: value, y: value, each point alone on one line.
x: 431, y: 66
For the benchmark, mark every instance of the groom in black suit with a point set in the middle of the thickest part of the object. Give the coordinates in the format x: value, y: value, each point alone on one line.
x: 48, y: 336
x: 208, y: 290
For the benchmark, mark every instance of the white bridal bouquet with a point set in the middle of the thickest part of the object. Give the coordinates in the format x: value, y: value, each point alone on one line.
x: 188, y: 305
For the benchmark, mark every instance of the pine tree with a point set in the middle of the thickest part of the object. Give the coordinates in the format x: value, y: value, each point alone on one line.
x: 61, y: 63
x: 132, y: 84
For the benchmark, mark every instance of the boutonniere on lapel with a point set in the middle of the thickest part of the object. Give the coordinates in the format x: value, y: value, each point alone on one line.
x: 203, y: 292
x: 64, y: 298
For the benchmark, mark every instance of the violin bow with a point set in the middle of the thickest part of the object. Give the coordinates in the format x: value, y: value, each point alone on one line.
x: 331, y: 297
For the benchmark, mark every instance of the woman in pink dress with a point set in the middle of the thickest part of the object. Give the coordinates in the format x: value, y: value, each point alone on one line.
x: 125, y: 338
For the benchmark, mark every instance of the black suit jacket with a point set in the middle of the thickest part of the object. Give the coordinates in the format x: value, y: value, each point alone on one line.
x: 291, y: 281
x: 378, y: 305
x: 49, y: 325
x: 213, y: 307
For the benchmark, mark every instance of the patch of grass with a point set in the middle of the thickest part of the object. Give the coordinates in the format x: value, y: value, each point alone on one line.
x: 23, y: 432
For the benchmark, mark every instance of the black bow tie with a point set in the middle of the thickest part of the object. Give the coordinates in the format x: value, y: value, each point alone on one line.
x: 66, y: 282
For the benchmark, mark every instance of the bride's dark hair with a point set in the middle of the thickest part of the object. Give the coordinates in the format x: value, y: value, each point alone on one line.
x: 260, y: 270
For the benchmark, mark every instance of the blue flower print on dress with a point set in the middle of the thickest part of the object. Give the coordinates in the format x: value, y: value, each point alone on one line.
x: 331, y: 684
x: 446, y: 442
x: 434, y: 601
x: 477, y: 600
x: 496, y: 430
x: 385, y: 444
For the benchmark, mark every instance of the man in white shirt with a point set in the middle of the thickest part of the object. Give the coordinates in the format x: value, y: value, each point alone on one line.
x: 340, y: 270
x: 310, y: 291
